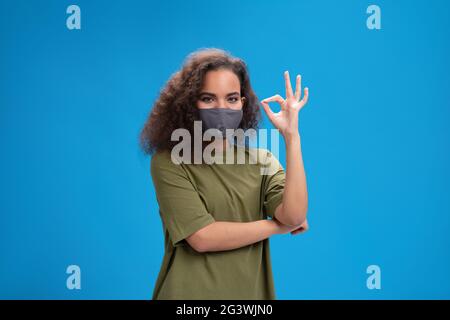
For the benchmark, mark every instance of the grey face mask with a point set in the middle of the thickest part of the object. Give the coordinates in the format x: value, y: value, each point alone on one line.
x: 221, y: 118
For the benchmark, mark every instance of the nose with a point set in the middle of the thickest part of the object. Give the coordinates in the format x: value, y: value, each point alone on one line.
x: 221, y: 104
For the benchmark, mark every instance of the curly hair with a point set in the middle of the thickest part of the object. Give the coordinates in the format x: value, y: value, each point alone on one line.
x: 176, y: 105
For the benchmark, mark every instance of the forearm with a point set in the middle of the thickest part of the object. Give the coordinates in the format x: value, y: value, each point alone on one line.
x: 224, y: 235
x: 295, y: 195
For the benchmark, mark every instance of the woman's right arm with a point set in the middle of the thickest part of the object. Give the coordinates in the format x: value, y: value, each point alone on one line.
x: 185, y: 216
x: 224, y: 235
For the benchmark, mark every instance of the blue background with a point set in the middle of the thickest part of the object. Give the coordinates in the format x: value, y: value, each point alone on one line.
x: 76, y: 189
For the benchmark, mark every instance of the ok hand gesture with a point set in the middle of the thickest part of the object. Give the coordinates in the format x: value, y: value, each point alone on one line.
x: 286, y: 120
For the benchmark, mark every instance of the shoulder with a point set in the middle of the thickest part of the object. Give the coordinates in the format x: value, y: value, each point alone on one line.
x: 162, y: 161
x: 268, y: 161
x: 160, y: 158
x: 261, y: 156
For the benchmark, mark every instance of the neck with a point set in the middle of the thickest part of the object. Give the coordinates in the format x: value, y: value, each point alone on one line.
x: 221, y: 144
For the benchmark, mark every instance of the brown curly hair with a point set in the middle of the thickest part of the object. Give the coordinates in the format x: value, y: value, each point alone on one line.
x: 176, y: 105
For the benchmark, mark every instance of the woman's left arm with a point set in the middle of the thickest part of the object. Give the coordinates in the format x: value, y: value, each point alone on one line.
x: 292, y: 211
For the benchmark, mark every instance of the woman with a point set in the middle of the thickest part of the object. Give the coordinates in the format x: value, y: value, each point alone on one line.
x: 214, y: 216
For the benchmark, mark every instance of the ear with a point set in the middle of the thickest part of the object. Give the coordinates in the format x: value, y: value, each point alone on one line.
x: 243, y: 101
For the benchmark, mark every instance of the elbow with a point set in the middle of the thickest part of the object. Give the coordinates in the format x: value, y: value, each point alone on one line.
x: 293, y: 222
x: 292, y: 219
x: 198, y: 241
x: 201, y: 248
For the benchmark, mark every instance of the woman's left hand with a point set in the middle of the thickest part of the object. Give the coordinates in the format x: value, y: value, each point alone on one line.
x: 286, y: 120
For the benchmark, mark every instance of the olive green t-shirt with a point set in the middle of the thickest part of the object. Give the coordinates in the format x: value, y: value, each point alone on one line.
x: 191, y: 196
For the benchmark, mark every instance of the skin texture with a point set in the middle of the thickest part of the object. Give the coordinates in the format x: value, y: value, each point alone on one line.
x: 292, y: 211
x: 176, y: 105
x: 221, y: 89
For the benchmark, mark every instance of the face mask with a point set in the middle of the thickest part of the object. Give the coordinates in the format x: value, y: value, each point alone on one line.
x: 221, y: 118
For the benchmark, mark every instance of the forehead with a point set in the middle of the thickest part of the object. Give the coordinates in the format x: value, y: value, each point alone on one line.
x: 221, y: 81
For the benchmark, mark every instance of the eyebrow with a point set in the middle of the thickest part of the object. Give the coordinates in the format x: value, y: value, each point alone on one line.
x: 212, y: 94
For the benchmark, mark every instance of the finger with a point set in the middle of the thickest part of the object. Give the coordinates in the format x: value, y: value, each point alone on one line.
x: 298, y: 87
x: 300, y: 230
x: 276, y: 98
x: 305, y: 97
x: 268, y: 111
x: 287, y: 81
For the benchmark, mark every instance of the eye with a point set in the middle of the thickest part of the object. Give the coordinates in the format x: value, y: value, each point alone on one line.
x: 206, y: 99
x: 234, y: 99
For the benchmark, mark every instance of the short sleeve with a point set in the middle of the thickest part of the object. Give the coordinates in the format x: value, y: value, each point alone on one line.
x: 181, y: 208
x: 274, y: 181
